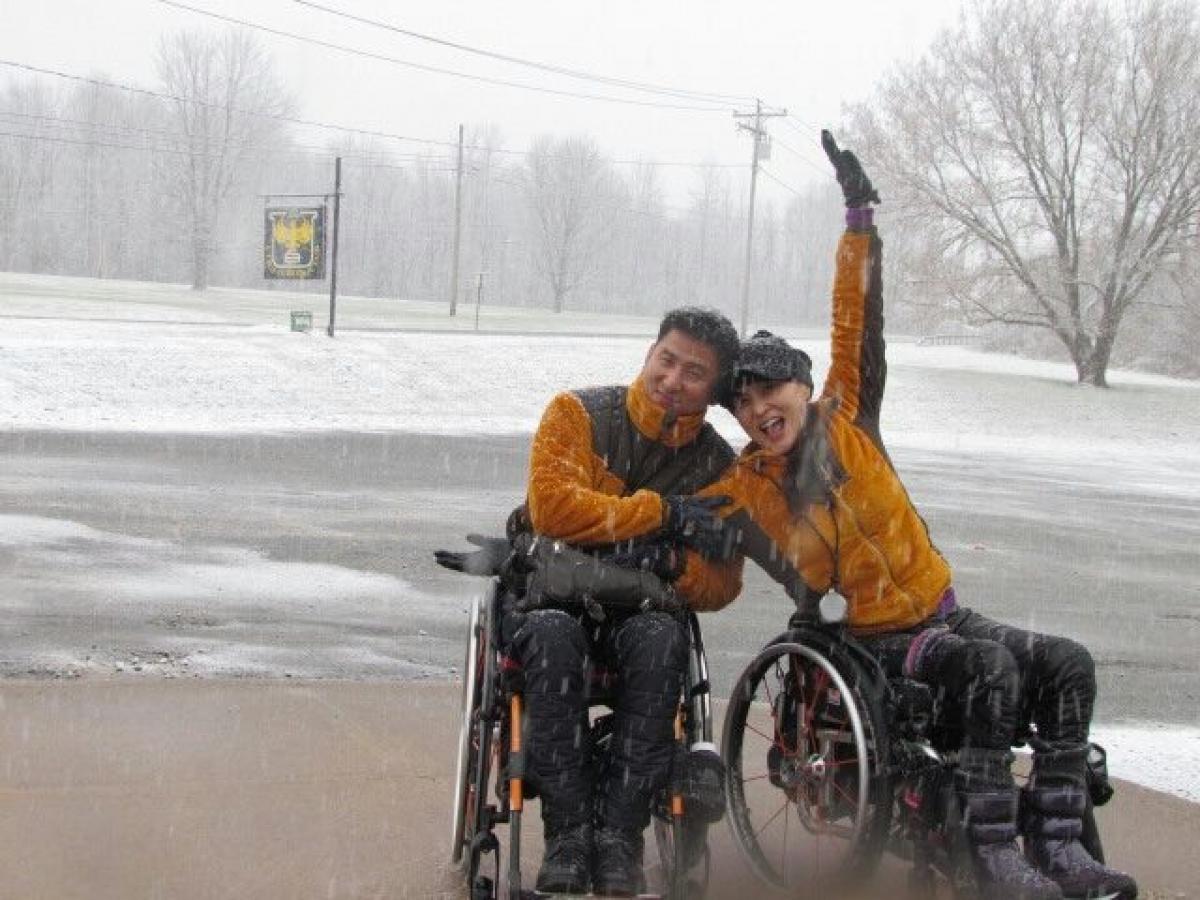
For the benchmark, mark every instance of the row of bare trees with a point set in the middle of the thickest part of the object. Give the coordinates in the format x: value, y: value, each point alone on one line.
x: 1040, y: 163
x: 169, y: 185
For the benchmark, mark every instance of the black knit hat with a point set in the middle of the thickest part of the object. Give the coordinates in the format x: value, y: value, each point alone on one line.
x: 767, y: 357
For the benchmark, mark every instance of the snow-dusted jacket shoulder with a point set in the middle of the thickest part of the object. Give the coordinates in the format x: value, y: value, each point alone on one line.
x: 601, y: 461
x: 850, y: 526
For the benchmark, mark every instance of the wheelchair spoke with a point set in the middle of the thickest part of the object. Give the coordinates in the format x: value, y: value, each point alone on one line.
x: 774, y: 742
x: 783, y: 849
x: 767, y: 824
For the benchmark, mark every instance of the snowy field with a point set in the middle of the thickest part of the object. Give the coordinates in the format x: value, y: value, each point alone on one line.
x: 91, y: 356
x: 87, y: 355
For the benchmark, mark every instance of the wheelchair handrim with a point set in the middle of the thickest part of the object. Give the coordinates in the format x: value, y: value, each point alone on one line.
x: 739, y: 708
x: 461, y: 773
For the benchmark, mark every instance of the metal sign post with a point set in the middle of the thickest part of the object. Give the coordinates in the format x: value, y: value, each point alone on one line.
x: 478, y: 299
x: 294, y: 243
x: 337, y: 208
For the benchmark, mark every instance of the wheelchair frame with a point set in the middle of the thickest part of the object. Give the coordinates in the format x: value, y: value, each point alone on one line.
x: 491, y: 760
x: 840, y: 712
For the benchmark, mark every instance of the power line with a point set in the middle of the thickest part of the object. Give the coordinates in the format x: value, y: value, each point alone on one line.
x: 809, y: 125
x: 800, y: 156
x: 278, y: 117
x: 778, y: 181
x: 231, y: 20
x: 176, y: 136
x: 313, y: 123
x: 259, y: 151
x: 545, y: 67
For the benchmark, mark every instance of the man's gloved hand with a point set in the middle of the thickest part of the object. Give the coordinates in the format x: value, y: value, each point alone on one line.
x: 562, y: 575
x: 694, y: 522
x: 487, y: 560
x: 663, y: 560
x: 856, y: 186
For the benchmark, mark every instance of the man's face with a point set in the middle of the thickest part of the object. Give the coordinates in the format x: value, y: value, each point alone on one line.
x: 680, y: 373
x: 772, y: 413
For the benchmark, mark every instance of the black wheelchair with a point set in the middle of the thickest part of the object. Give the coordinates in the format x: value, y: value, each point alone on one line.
x: 489, y: 791
x: 831, y: 765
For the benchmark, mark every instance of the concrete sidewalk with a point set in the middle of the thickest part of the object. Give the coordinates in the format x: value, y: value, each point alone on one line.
x: 151, y: 788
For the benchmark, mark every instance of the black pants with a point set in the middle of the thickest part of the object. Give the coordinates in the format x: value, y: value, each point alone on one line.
x: 994, y: 678
x: 558, y: 652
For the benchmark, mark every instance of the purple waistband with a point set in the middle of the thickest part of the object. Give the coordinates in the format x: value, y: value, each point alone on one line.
x: 947, y: 604
x: 928, y: 636
x: 859, y: 218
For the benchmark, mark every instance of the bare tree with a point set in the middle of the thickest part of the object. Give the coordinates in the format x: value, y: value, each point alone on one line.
x: 566, y: 182
x: 226, y: 95
x: 1053, y: 149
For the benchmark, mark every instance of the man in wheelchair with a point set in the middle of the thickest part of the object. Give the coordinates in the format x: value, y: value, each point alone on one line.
x: 817, y: 503
x: 612, y: 471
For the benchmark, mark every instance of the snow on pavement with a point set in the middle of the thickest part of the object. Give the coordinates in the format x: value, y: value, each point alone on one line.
x: 144, y: 577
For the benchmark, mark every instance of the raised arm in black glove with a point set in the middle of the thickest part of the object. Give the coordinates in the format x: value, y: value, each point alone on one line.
x: 856, y: 186
x: 487, y: 560
x: 692, y: 521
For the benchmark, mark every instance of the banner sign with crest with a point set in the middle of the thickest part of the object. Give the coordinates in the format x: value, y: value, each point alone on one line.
x: 294, y: 242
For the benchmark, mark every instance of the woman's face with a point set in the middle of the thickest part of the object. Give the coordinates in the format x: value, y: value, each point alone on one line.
x: 772, y: 413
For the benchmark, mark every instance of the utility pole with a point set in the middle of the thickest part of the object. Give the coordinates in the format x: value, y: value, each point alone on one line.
x: 457, y: 224
x: 478, y: 298
x: 337, y: 208
x: 758, y: 146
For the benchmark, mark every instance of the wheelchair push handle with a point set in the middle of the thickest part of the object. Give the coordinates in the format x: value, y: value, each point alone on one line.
x: 827, y: 610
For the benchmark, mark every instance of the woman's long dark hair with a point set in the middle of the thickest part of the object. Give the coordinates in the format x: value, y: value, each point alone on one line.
x: 813, y: 472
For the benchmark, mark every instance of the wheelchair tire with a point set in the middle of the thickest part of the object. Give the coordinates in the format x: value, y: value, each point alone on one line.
x: 473, y: 740
x: 802, y: 740
x: 1091, y: 835
x: 683, y: 854
x: 683, y: 878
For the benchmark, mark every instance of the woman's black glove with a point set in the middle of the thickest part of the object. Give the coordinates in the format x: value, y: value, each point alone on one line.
x: 487, y: 560
x: 692, y: 521
x: 856, y: 186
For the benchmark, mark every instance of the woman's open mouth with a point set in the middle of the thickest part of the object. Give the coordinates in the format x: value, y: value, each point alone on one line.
x: 772, y: 429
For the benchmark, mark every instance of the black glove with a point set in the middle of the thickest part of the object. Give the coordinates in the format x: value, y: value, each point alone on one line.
x: 562, y: 575
x: 487, y: 560
x: 692, y: 521
x: 856, y: 186
x: 663, y: 560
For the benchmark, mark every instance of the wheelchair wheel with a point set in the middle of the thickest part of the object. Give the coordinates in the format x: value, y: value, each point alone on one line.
x: 474, y: 738
x: 809, y: 799
x: 682, y: 842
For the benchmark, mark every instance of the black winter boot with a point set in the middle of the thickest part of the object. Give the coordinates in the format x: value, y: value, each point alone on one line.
x: 1054, y: 805
x: 566, y: 865
x: 618, y: 862
x: 989, y: 804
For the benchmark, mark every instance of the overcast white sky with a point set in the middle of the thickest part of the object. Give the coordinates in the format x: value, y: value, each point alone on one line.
x: 809, y: 57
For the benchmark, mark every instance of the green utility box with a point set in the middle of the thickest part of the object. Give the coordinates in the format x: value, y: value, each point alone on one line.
x: 301, y: 320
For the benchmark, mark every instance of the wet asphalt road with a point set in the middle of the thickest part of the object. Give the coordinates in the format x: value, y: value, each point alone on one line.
x: 1085, y: 554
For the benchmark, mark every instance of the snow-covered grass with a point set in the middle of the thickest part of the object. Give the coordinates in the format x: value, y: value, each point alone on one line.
x: 131, y: 364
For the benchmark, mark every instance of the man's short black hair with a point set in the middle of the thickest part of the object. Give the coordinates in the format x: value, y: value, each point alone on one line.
x: 707, y: 325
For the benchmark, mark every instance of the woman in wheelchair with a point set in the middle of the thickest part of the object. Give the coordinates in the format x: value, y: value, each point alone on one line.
x: 818, y: 504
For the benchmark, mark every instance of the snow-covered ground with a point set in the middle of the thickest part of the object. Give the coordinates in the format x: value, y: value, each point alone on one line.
x: 103, y: 356
x: 156, y: 375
